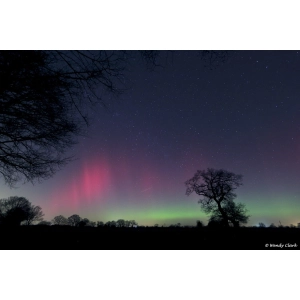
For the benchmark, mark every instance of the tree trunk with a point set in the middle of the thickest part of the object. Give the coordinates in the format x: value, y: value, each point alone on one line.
x: 236, y: 224
x: 225, y: 217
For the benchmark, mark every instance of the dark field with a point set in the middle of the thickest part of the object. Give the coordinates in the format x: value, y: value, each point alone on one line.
x: 72, y: 238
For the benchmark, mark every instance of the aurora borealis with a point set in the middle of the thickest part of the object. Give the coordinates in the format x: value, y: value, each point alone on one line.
x: 242, y: 115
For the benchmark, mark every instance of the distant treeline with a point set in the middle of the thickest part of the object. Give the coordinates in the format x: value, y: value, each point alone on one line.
x: 17, y: 211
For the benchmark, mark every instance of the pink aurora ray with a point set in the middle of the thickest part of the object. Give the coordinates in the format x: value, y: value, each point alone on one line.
x: 84, y: 188
x: 121, y: 181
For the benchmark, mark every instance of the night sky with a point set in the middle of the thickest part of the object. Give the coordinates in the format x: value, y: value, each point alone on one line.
x: 242, y: 116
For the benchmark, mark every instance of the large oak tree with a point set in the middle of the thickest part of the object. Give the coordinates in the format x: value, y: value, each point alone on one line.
x: 217, y: 190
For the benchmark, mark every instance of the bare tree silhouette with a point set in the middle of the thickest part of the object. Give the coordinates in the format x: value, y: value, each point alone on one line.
x: 43, y: 95
x: 74, y: 220
x: 60, y: 220
x: 44, y: 223
x: 86, y: 222
x: 217, y: 189
x: 35, y: 215
x: 121, y: 223
x: 43, y: 103
x: 236, y: 213
x: 111, y: 224
x: 16, y: 210
x: 100, y: 224
x: 132, y: 223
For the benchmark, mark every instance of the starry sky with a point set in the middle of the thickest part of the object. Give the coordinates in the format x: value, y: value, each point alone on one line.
x: 241, y: 115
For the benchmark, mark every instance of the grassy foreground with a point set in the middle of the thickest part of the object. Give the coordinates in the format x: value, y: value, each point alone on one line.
x: 148, y: 238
